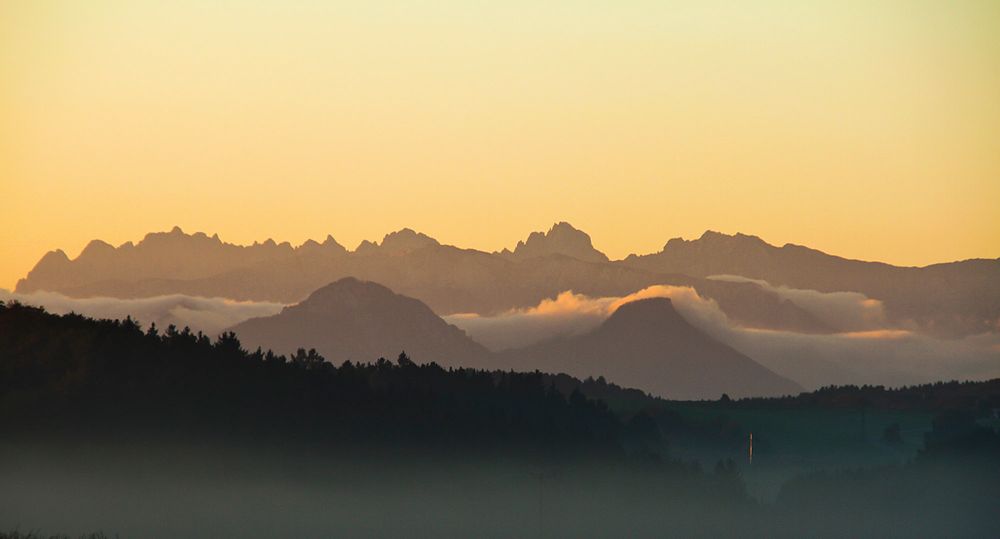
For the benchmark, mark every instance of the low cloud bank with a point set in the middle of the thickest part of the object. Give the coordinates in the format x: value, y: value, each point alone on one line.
x: 843, y: 311
x: 567, y: 314
x: 870, y: 353
x: 208, y: 315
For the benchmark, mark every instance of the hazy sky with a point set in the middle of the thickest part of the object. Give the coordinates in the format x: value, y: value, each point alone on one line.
x: 866, y: 129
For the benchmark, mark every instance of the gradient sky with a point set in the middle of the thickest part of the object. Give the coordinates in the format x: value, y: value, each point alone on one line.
x: 866, y: 129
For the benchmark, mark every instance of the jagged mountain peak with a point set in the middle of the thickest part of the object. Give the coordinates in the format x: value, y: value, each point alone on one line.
x: 400, y: 242
x: 561, y: 239
x: 57, y: 256
x: 96, y: 248
x: 714, y: 238
x: 406, y: 240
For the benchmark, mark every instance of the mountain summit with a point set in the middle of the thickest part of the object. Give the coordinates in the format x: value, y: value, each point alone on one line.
x: 561, y: 239
x: 648, y: 345
x: 361, y: 321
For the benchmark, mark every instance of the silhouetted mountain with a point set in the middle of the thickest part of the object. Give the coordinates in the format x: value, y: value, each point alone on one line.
x: 957, y: 297
x: 362, y: 321
x: 561, y: 239
x: 646, y: 344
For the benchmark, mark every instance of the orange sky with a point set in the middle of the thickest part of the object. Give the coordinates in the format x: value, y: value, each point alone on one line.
x: 866, y: 129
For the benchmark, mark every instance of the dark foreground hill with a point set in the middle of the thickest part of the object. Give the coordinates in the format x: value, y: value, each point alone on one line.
x: 108, y: 428
x: 175, y: 435
x: 649, y: 345
x: 361, y: 321
x: 70, y: 372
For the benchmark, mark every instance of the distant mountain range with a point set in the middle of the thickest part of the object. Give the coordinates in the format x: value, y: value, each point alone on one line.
x: 644, y: 344
x: 950, y: 299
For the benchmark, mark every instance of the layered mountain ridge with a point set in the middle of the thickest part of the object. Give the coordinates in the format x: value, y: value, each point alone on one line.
x: 957, y: 298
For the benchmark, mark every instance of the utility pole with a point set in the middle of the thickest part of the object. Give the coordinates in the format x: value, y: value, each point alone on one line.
x: 751, y: 448
x: 541, y: 504
x: 864, y: 420
x: 540, y: 476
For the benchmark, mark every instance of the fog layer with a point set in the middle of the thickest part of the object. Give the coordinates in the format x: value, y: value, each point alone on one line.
x: 208, y: 315
x: 844, y: 311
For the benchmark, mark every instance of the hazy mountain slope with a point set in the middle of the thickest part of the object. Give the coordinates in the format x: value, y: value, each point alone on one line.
x: 362, y: 321
x: 748, y: 304
x: 646, y: 344
x: 957, y: 297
